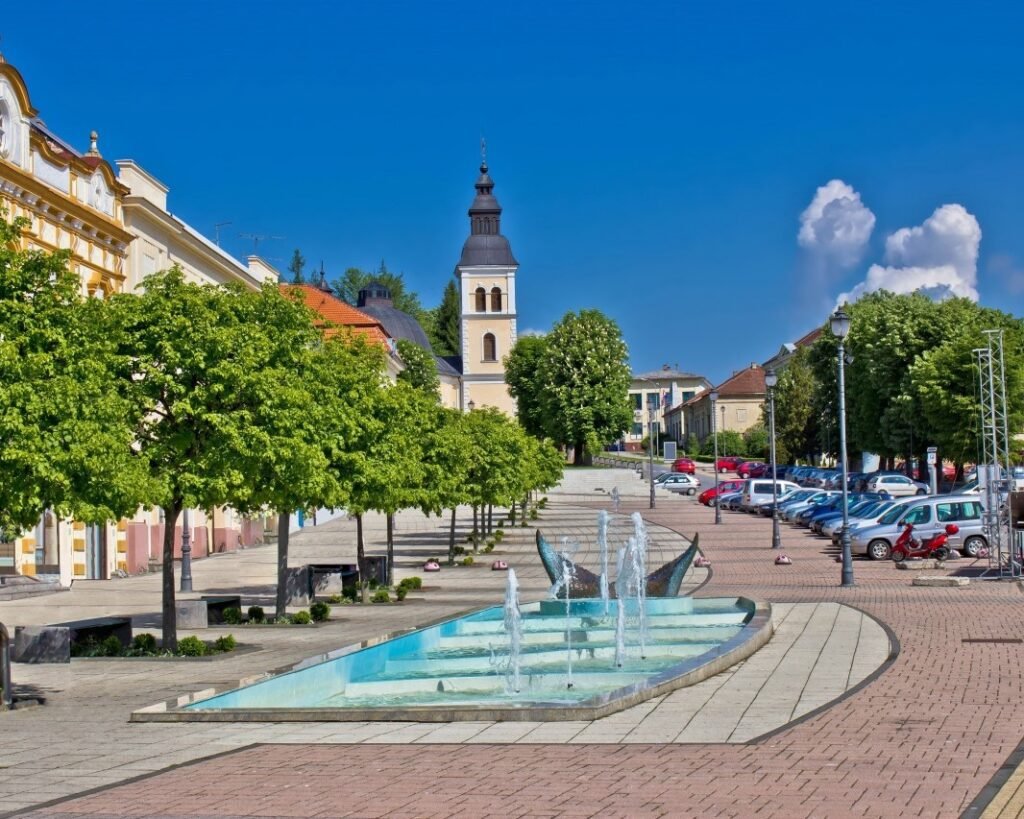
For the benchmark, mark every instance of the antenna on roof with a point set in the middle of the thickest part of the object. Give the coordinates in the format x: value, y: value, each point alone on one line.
x: 216, y: 231
x: 257, y: 238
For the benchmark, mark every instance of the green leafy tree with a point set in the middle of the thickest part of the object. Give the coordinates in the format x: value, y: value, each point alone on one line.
x: 420, y: 368
x: 64, y: 432
x: 445, y: 323
x: 756, y: 442
x: 795, y: 428
x: 585, y: 381
x: 730, y: 442
x: 522, y: 374
x: 296, y: 265
x: 447, y: 459
x: 353, y: 280
x: 202, y: 368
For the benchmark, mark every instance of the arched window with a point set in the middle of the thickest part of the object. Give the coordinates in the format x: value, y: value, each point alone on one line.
x: 481, y: 300
x: 495, y: 299
x: 490, y: 347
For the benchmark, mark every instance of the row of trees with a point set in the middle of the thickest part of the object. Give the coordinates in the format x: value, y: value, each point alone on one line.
x: 572, y: 384
x: 194, y: 396
x: 911, y: 381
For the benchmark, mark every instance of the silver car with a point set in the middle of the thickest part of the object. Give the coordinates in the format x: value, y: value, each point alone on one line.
x: 679, y: 482
x: 929, y: 516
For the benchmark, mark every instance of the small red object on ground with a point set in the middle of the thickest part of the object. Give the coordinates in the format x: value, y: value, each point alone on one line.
x: 783, y: 560
x: 700, y: 561
x: 499, y: 566
x: 431, y: 566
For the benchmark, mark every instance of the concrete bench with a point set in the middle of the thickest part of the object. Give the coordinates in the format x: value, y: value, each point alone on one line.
x: 53, y: 643
x: 304, y: 583
x: 217, y: 603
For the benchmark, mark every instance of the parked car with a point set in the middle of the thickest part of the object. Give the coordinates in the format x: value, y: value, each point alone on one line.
x: 680, y: 482
x: 746, y: 469
x: 929, y: 516
x: 709, y: 497
x: 857, y: 504
x: 876, y: 518
x: 687, y: 465
x: 898, y: 486
x: 728, y: 463
x: 792, y: 497
x: 789, y: 511
x: 871, y: 511
x: 757, y: 491
x: 731, y: 501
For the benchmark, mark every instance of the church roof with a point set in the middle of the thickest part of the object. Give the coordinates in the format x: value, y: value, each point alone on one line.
x: 486, y: 245
x: 336, y: 313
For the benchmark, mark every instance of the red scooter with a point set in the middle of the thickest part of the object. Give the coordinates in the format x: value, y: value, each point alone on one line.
x: 934, y: 547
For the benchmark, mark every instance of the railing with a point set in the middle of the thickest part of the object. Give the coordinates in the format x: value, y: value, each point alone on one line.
x: 7, y: 697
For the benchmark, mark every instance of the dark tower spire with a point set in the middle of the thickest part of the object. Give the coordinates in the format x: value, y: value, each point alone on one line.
x: 485, y: 245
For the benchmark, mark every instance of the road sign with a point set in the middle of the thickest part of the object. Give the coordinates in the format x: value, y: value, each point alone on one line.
x: 931, y: 455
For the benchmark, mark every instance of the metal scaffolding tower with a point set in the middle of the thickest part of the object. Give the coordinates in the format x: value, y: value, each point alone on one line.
x: 1004, y: 557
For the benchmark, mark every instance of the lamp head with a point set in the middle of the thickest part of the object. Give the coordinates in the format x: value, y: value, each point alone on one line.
x: 770, y: 379
x: 713, y: 396
x: 471, y: 405
x: 840, y: 323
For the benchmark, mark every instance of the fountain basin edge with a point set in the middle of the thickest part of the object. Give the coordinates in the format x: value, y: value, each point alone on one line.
x: 751, y: 637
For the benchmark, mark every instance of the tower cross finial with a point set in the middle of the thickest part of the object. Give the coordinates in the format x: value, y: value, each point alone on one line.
x: 483, y: 152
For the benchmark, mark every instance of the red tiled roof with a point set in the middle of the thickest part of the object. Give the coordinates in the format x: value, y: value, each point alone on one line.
x: 809, y: 339
x: 749, y: 381
x: 336, y: 313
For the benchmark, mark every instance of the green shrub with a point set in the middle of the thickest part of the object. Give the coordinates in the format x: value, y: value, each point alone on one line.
x: 401, y: 592
x: 381, y: 596
x: 533, y: 513
x: 499, y: 535
x: 191, y: 647
x: 351, y: 593
x: 336, y: 599
x: 415, y: 582
x: 489, y: 548
x: 302, y: 618
x: 232, y: 615
x: 225, y: 643
x: 373, y: 583
x: 144, y: 643
x: 256, y: 614
x: 459, y: 550
x: 319, y: 611
x: 110, y: 647
x: 543, y: 502
x: 467, y: 560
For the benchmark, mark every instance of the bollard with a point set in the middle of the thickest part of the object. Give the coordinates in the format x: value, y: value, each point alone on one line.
x: 7, y: 698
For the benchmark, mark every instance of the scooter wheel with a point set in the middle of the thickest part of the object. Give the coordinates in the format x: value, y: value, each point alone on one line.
x: 897, y: 556
x: 941, y: 554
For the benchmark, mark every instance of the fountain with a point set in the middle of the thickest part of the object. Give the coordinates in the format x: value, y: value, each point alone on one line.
x: 566, y: 581
x: 513, y: 630
x: 602, y: 545
x: 622, y: 567
x: 639, y: 554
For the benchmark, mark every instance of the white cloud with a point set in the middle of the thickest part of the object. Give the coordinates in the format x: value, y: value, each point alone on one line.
x: 836, y: 226
x: 938, y: 257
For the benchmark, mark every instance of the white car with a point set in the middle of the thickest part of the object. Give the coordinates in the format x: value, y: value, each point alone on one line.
x: 680, y: 482
x: 899, y: 486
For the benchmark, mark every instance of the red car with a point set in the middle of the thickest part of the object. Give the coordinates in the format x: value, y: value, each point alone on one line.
x: 686, y: 465
x: 751, y: 469
x: 728, y: 463
x: 708, y: 496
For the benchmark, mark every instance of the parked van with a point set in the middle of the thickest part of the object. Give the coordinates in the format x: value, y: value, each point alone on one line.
x: 929, y: 516
x: 759, y: 490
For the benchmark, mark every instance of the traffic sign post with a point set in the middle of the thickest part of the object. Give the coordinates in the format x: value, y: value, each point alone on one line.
x: 933, y: 472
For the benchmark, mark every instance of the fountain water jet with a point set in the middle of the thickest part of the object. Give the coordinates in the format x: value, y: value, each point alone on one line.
x: 602, y: 544
x: 639, y: 557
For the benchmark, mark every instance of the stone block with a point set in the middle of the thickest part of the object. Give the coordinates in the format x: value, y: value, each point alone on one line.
x: 917, y: 565
x: 191, y: 614
x: 296, y: 586
x: 941, y: 581
x: 41, y: 644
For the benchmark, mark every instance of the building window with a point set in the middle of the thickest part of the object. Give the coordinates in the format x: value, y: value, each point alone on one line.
x: 490, y: 347
x: 653, y: 401
x: 481, y: 300
x: 687, y: 395
x: 638, y: 430
x: 638, y: 401
x: 495, y: 299
x: 741, y: 416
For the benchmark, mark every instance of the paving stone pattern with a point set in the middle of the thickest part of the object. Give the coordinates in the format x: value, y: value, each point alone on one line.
x: 921, y: 739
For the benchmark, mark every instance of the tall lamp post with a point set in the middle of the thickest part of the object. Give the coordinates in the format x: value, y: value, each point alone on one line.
x: 714, y: 432
x: 650, y: 447
x: 770, y: 380
x: 840, y: 323
x: 186, y: 551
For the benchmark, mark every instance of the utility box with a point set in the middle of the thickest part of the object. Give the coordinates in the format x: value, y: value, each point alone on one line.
x: 670, y: 450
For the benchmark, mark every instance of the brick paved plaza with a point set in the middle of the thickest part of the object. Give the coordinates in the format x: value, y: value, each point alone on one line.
x: 924, y: 737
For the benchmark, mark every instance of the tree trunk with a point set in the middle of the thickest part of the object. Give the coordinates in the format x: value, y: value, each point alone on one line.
x: 524, y: 510
x: 578, y: 451
x: 490, y: 518
x: 451, y: 540
x: 283, y: 520
x: 391, y: 550
x: 512, y: 514
x: 169, y: 621
x: 474, y: 523
x: 361, y: 557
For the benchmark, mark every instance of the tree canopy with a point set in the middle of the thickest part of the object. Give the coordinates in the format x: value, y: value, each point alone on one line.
x: 522, y: 366
x: 353, y: 280
x: 420, y: 367
x: 444, y: 322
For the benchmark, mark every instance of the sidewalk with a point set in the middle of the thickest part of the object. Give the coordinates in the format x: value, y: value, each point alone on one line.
x: 921, y: 739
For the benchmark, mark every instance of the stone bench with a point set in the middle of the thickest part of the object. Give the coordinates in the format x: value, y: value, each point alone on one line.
x: 53, y: 643
x: 217, y: 603
x: 304, y: 583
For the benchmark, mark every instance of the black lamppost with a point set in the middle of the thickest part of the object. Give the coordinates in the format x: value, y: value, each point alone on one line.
x: 840, y: 323
x: 714, y: 432
x: 770, y: 380
x: 650, y: 447
x: 186, y: 551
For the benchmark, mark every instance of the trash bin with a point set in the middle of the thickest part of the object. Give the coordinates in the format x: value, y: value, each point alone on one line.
x: 376, y: 567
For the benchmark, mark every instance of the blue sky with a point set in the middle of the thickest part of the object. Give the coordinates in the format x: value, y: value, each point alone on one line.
x: 653, y: 161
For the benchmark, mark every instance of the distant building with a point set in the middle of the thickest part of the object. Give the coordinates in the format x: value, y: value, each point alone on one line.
x: 661, y: 392
x: 740, y: 399
x: 778, y: 361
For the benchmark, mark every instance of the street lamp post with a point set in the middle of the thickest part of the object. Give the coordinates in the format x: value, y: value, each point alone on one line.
x: 770, y: 380
x: 714, y: 432
x: 186, y: 551
x: 840, y: 323
x: 650, y: 448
